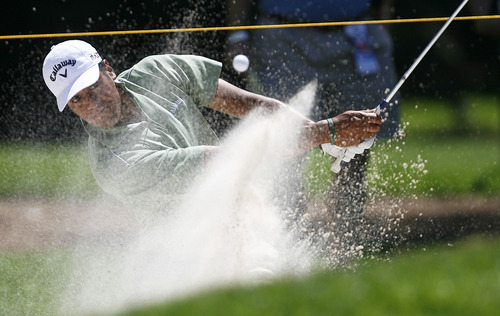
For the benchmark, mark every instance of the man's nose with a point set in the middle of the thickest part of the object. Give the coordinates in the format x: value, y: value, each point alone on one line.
x: 93, y: 101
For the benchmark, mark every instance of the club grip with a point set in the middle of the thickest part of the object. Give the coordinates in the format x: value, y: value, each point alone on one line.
x: 381, y: 106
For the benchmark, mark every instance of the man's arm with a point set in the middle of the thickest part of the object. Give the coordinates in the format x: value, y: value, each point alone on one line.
x: 351, y: 127
x: 237, y: 102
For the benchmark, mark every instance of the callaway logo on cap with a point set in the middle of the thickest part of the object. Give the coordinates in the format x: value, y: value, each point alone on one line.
x: 70, y: 67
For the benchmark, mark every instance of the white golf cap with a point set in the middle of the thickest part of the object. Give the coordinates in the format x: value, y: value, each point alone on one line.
x: 70, y: 67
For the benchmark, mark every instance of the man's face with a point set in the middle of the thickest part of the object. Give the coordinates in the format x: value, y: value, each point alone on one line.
x: 99, y: 104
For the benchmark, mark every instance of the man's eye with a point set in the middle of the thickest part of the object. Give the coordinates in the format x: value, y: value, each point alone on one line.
x: 75, y: 99
x: 95, y: 85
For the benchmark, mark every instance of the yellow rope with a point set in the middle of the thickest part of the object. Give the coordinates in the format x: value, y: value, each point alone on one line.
x: 246, y: 27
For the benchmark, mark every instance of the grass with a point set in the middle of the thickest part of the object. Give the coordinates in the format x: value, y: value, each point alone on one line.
x: 459, y: 280
x: 439, y: 166
x: 30, y: 282
x: 469, y: 115
x: 424, y: 166
x: 45, y: 170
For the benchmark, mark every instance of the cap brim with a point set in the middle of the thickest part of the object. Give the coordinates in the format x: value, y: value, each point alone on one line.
x: 88, y: 78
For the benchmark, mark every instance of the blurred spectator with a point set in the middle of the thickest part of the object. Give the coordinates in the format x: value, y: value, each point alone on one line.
x: 353, y: 66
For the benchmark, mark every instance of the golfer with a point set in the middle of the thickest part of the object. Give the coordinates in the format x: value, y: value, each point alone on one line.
x: 147, y: 137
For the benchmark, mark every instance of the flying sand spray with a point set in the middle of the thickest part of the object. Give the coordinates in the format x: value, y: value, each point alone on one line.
x: 345, y: 154
x: 232, y: 233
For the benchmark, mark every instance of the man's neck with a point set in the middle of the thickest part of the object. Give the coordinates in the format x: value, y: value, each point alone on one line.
x: 130, y: 113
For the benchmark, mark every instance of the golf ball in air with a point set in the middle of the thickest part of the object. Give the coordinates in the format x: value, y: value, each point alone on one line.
x: 241, y: 63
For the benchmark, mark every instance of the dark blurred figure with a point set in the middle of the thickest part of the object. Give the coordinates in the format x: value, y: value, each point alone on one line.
x: 353, y: 66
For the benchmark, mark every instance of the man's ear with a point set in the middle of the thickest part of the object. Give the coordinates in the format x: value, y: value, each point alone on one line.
x: 109, y: 69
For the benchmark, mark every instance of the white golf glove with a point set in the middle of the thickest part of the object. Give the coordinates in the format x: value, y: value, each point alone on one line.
x: 345, y: 154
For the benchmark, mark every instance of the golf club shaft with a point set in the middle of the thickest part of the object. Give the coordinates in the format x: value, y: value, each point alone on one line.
x: 340, y: 153
x: 423, y: 53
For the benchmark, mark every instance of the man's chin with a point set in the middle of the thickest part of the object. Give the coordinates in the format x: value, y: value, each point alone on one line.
x: 105, y: 124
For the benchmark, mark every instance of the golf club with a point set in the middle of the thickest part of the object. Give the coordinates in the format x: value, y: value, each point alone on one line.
x: 345, y: 154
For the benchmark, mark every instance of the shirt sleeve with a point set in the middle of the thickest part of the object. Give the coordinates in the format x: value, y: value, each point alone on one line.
x: 196, y: 75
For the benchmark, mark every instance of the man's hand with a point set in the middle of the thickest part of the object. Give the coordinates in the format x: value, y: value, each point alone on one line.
x: 353, y: 127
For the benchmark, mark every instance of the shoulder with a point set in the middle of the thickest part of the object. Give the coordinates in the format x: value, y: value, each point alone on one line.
x: 172, y: 60
x: 171, y: 64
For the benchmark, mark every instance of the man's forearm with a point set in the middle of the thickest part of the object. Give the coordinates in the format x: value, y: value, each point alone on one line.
x: 313, y: 134
x: 351, y: 127
x: 237, y: 102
